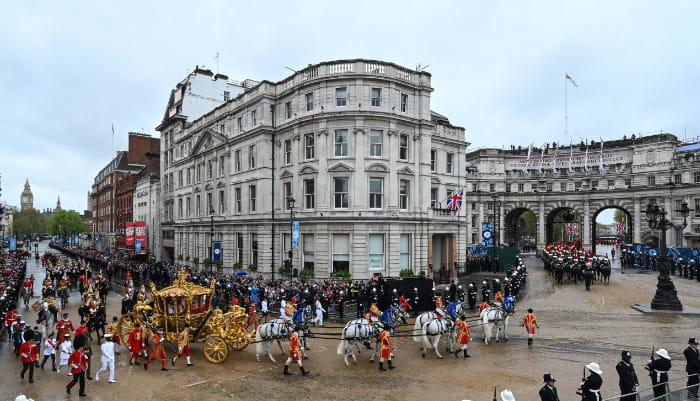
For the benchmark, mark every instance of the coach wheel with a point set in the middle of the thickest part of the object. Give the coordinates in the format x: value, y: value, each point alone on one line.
x: 126, y: 324
x: 215, y: 349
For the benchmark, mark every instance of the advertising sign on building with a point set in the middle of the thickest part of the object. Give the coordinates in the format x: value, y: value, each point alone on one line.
x: 140, y: 231
x: 129, y: 234
x: 137, y: 245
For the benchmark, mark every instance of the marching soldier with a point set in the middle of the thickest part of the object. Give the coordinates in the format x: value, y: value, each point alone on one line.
x: 628, y: 378
x: 157, y: 350
x: 29, y: 352
x: 385, y: 349
x: 548, y: 392
x: 530, y: 323
x: 183, y: 345
x: 590, y: 387
x: 692, y: 367
x: 463, y: 336
x: 658, y: 370
x: 78, y: 363
x: 294, y: 354
x: 136, y: 343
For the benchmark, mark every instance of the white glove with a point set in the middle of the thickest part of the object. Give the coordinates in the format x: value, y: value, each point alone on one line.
x: 582, y: 383
x: 129, y: 348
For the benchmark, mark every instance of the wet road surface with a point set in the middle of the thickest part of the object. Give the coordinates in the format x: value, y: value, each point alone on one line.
x: 577, y: 327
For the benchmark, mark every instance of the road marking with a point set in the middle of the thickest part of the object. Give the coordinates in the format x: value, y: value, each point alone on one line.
x: 194, y: 384
x: 602, y: 300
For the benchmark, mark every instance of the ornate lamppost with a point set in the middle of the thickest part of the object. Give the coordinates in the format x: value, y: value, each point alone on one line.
x: 666, y: 297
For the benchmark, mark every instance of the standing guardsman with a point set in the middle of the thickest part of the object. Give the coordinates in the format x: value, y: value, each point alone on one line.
x: 385, y: 349
x: 628, y: 378
x: 294, y: 353
x: 530, y: 323
x: 658, y: 370
x: 692, y: 367
x: 463, y: 336
x: 590, y: 386
x: 183, y: 345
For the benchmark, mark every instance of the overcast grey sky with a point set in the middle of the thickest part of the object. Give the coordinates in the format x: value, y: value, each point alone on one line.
x: 69, y: 70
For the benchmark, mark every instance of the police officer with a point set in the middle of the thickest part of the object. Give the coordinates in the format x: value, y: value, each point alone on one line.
x: 590, y: 387
x: 460, y: 294
x: 628, y: 378
x: 416, y: 300
x: 485, y: 292
x: 548, y: 392
x: 471, y: 295
x: 692, y: 367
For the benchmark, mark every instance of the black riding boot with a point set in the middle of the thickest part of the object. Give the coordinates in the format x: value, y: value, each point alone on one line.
x: 304, y: 372
x: 466, y: 355
x: 529, y: 341
x: 456, y: 354
x: 381, y: 366
x: 286, y: 370
x: 391, y: 366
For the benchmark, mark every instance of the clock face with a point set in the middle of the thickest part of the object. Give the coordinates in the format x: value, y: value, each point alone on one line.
x: 26, y: 199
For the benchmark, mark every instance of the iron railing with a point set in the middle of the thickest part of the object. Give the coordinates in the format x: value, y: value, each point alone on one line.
x: 675, y: 390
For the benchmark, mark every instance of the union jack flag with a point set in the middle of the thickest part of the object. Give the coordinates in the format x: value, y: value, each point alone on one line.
x: 455, y: 201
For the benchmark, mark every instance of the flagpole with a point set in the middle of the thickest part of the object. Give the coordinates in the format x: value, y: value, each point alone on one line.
x: 566, y: 107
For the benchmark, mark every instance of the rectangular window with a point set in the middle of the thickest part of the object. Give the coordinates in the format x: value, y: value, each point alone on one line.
x: 341, y: 97
x: 288, y: 110
x: 210, y: 171
x: 677, y: 179
x: 288, y: 151
x: 222, y: 204
x: 450, y: 160
x: 611, y: 184
x: 254, y: 249
x: 405, y: 251
x: 562, y: 187
x: 222, y: 128
x: 492, y: 187
x: 309, y: 194
x: 179, y: 208
x: 679, y: 237
x: 189, y: 175
x: 253, y: 196
x: 309, y: 101
x: 286, y: 247
x: 577, y: 185
x: 433, y: 159
x: 222, y: 166
x: 533, y: 187
x: 594, y: 184
x: 678, y: 204
x: 254, y: 117
x: 628, y: 182
x: 696, y: 177
x: 403, y: 194
x: 521, y: 187
x: 375, y: 143
x: 198, y: 206
x: 404, y: 102
x: 227, y: 96
x: 340, y: 193
x: 376, y: 193
x: 287, y: 193
x: 403, y: 147
x: 196, y: 245
x: 210, y: 208
x: 309, y: 146
x: 341, y: 253
x: 697, y: 207
x: 308, y: 246
x: 376, y: 252
x: 188, y: 206
x: 433, y: 197
x: 237, y: 199
x: 179, y: 179
x: 651, y: 180
x: 252, y: 157
x: 549, y: 187
x: 238, y: 160
x: 508, y: 187
x: 240, y: 124
x: 341, y: 143
x: 376, y: 97
x: 239, y: 248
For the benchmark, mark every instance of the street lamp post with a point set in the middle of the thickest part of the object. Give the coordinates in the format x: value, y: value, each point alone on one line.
x: 496, y: 214
x: 211, y: 237
x: 290, y: 203
x: 666, y: 296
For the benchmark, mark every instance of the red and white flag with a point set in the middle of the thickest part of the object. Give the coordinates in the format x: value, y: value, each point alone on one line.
x: 585, y: 160
x: 600, y: 160
x: 529, y: 158
x: 570, y: 80
x: 554, y: 161
x: 541, y: 160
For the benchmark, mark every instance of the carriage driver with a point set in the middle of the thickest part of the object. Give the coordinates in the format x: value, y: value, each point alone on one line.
x: 294, y: 353
x: 438, y: 308
x: 374, y: 313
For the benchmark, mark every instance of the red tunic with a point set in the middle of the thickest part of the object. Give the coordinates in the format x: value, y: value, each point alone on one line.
x: 81, y: 330
x: 294, y: 347
x: 483, y: 306
x: 29, y: 352
x: 498, y: 297
x: 79, y: 359
x: 157, y: 350
x: 386, y: 346
x: 530, y: 322
x: 463, y: 335
x: 136, y: 340
x: 64, y: 327
x: 404, y: 304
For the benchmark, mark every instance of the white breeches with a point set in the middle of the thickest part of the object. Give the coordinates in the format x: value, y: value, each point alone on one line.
x: 107, y: 363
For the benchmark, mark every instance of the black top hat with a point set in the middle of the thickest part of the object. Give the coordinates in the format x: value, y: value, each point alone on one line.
x: 692, y: 340
x: 549, y: 378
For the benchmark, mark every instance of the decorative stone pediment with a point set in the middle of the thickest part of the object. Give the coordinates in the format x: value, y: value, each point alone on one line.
x: 340, y: 168
x: 286, y: 174
x: 377, y: 168
x: 435, y: 180
x: 360, y: 131
x: 208, y: 139
x: 405, y: 170
x: 393, y: 132
x: 197, y: 189
x: 308, y: 170
x: 323, y: 132
x: 220, y: 184
x: 208, y: 187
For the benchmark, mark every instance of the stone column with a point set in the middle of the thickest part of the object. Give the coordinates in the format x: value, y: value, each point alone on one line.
x: 637, y: 222
x: 586, y: 224
x: 501, y: 226
x: 541, y: 228
x: 481, y: 218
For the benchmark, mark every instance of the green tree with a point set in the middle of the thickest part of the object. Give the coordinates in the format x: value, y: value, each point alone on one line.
x: 28, y: 221
x: 527, y: 225
x: 619, y: 216
x: 65, y: 223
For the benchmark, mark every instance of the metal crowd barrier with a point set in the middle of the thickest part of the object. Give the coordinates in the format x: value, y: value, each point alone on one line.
x: 676, y: 390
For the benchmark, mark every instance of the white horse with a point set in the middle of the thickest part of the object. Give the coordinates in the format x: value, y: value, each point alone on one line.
x: 496, y: 317
x: 356, y: 331
x: 278, y: 329
x: 432, y: 329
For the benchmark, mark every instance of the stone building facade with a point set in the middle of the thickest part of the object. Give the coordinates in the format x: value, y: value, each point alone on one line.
x: 353, y: 142
x: 146, y: 201
x: 657, y: 168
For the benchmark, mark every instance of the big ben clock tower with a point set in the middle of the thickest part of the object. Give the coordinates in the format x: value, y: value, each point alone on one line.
x: 27, y: 199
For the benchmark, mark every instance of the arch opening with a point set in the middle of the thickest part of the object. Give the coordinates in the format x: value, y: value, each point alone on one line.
x: 564, y: 224
x: 521, y: 229
x: 611, y: 225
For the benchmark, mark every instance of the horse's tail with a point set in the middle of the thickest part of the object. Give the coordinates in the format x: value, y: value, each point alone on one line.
x: 343, y: 343
x: 259, y: 344
x: 417, y: 330
x: 424, y: 336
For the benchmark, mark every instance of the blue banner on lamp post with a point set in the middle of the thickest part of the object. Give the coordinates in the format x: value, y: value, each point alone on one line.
x: 217, y: 251
x: 295, y: 235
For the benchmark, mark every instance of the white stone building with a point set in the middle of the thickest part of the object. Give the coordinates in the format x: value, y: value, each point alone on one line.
x: 353, y: 142
x: 147, y: 209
